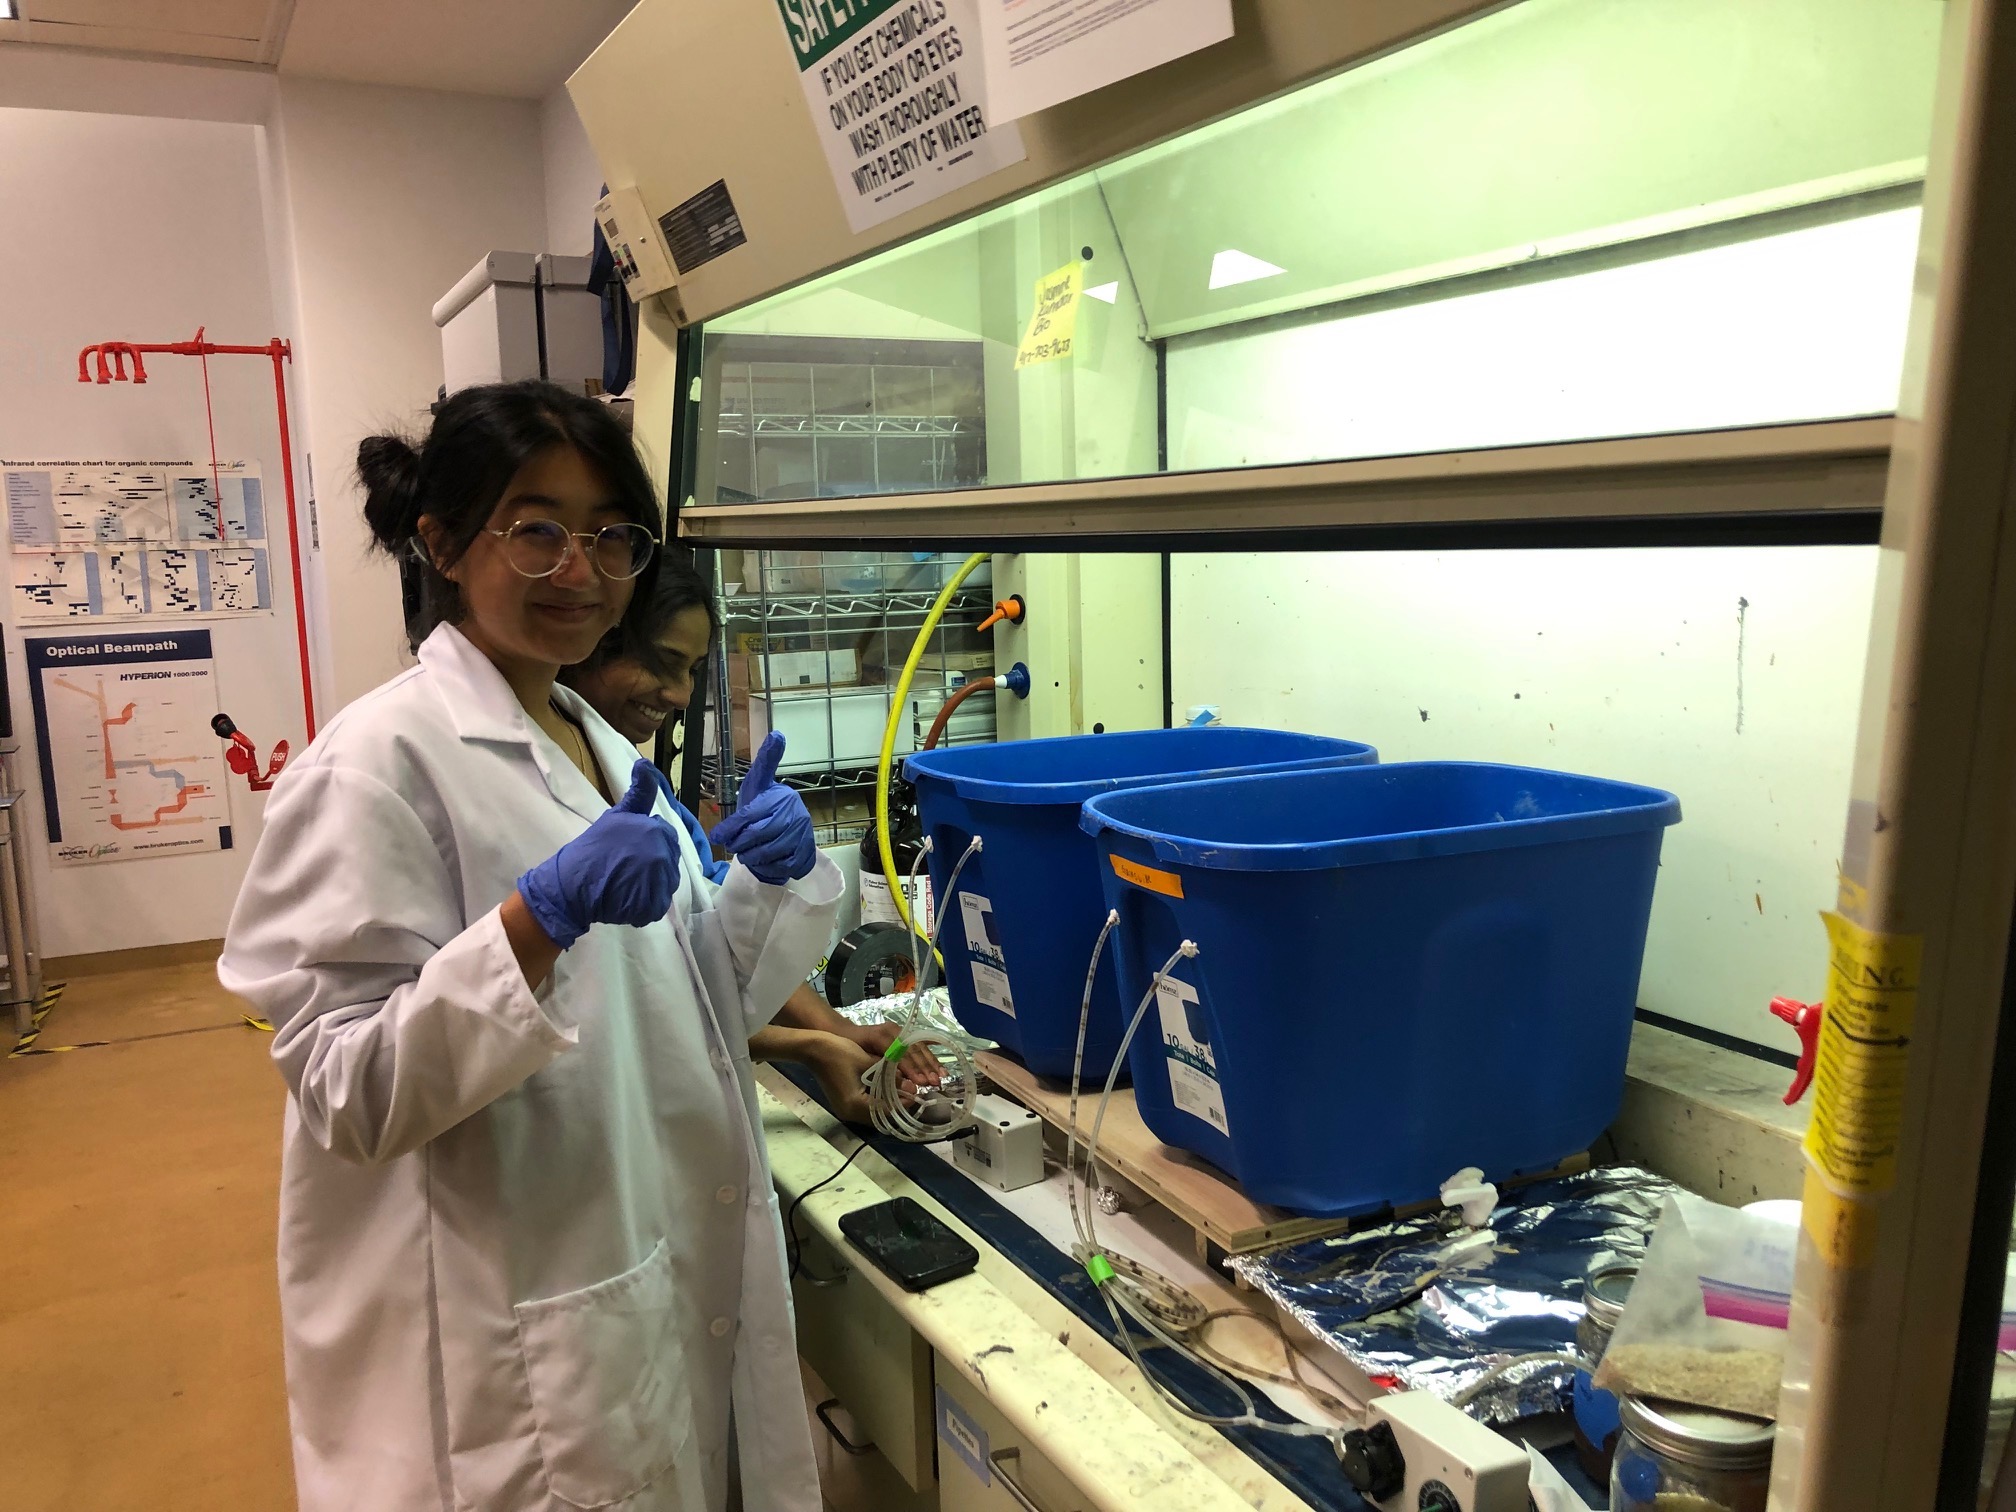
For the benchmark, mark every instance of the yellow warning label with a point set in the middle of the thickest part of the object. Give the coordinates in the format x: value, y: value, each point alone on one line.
x: 1844, y: 1228
x: 1053, y: 324
x: 1166, y: 883
x: 1865, y: 1046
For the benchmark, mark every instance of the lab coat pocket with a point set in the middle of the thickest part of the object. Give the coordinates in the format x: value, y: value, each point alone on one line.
x: 612, y: 1402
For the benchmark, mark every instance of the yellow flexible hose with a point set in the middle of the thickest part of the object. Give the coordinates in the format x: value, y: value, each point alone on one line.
x: 898, y: 706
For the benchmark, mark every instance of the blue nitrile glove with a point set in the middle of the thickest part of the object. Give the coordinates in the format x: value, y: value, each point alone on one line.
x: 770, y: 831
x: 623, y: 869
x: 717, y: 871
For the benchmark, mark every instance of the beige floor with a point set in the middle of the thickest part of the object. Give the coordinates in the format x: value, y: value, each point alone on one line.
x: 139, y: 1343
x: 139, y: 1325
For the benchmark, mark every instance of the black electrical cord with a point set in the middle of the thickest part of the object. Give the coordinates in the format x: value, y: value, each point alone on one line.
x: 791, y: 1213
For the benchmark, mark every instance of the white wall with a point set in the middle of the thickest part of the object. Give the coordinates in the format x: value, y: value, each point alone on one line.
x: 122, y: 227
x: 573, y: 177
x: 39, y: 77
x: 394, y: 194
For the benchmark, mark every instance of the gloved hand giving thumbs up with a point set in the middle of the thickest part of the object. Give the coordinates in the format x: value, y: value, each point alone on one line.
x: 770, y: 831
x: 623, y: 869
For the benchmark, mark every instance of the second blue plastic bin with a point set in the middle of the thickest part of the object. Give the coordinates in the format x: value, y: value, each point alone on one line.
x: 1403, y: 969
x: 1019, y: 935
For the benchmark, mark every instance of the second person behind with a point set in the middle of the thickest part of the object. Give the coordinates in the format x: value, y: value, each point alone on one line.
x: 640, y: 677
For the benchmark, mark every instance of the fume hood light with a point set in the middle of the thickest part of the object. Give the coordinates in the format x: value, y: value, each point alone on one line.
x: 1235, y: 267
x: 1110, y: 292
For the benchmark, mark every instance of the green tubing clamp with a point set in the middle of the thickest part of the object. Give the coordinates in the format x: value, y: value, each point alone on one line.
x: 1100, y: 1269
x: 895, y: 1051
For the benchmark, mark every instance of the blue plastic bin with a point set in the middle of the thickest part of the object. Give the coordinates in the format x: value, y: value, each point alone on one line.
x: 1403, y: 969
x: 1018, y: 937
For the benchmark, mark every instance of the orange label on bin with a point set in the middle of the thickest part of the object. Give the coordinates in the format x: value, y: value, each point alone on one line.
x: 1166, y: 883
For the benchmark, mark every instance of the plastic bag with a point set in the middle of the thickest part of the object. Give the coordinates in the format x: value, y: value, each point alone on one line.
x: 1547, y: 1489
x: 1707, y: 1316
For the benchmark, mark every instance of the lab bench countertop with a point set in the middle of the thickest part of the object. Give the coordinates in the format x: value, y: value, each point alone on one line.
x: 1070, y: 1393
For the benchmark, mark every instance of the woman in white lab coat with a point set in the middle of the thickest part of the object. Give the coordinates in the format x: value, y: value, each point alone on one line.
x: 529, y: 1252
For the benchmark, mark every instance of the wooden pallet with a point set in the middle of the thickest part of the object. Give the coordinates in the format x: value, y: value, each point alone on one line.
x: 1222, y: 1217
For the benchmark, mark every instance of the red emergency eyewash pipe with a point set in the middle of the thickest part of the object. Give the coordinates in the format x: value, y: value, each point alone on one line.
x: 280, y: 352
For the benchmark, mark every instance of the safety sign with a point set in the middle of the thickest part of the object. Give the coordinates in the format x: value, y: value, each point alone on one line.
x: 899, y: 100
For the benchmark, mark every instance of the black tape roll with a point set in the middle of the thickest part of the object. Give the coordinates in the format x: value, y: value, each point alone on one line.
x: 874, y: 961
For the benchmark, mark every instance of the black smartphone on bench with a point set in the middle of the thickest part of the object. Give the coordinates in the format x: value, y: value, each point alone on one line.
x: 907, y: 1244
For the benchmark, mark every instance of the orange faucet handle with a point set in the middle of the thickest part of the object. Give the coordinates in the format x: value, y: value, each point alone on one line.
x: 1012, y: 610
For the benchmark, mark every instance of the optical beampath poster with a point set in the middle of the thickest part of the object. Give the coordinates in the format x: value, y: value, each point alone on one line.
x: 131, y: 768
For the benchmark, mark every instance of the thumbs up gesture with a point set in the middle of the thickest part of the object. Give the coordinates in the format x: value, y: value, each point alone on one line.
x: 770, y: 831
x: 623, y: 869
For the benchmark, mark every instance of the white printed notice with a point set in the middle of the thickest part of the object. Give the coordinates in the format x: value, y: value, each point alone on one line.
x: 899, y: 99
x: 1043, y: 52
x: 131, y: 540
x: 131, y: 767
x: 983, y: 948
x: 1193, y: 1068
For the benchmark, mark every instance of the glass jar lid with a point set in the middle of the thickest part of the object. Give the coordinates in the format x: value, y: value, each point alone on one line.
x: 1605, y: 1290
x: 1697, y: 1435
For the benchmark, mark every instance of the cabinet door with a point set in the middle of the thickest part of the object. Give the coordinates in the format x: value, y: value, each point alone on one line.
x: 870, y: 1358
x: 984, y: 1465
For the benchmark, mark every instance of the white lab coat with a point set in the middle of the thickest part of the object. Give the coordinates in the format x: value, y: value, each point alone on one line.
x: 530, y: 1255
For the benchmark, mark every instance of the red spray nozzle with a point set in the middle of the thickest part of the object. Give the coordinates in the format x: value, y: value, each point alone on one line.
x: 1805, y: 1019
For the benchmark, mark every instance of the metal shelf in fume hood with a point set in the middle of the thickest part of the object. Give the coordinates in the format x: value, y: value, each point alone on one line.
x: 866, y: 604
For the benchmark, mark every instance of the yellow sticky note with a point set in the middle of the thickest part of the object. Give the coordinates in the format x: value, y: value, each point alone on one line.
x: 1053, y: 324
x: 1864, y: 1055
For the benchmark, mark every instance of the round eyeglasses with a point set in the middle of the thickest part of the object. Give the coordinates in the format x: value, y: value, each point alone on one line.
x: 540, y: 548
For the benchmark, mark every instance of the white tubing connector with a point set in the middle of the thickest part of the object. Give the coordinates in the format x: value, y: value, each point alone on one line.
x: 1469, y: 1192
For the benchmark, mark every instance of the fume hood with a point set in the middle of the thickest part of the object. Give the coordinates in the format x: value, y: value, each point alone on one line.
x: 1623, y: 296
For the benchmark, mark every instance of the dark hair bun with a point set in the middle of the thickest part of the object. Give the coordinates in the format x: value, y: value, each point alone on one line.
x: 389, y: 469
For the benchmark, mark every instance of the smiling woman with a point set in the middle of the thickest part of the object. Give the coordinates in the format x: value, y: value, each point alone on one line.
x: 498, y: 456
x: 642, y: 673
x: 533, y: 526
x: 524, y: 1195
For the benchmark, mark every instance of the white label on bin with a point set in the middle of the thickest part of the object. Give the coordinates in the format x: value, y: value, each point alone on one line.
x: 990, y: 985
x: 982, y: 939
x: 1193, y: 1069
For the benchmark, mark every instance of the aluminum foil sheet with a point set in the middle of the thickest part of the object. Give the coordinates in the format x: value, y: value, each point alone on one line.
x: 937, y: 1015
x: 1430, y: 1305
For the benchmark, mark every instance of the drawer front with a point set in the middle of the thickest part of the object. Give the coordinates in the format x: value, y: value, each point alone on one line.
x: 869, y: 1357
x: 983, y: 1464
